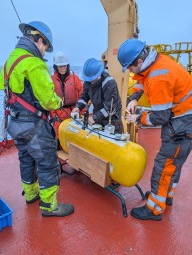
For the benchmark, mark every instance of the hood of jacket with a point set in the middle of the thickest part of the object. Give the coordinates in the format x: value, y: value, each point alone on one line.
x: 28, y: 45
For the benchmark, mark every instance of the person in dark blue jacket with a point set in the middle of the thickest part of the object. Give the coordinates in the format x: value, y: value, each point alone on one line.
x: 101, y: 89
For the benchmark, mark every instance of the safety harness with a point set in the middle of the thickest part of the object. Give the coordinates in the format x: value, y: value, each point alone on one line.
x: 10, y: 98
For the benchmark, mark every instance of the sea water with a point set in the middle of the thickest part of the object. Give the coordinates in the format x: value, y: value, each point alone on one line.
x: 76, y: 69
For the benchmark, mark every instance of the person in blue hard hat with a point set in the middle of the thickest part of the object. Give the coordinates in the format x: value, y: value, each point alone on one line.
x: 101, y: 89
x: 168, y: 89
x: 26, y: 81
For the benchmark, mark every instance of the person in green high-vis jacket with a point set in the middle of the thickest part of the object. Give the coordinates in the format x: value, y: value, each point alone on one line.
x: 34, y: 137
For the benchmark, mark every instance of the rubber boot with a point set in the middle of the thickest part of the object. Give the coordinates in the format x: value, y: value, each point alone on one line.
x: 169, y: 200
x: 144, y: 213
x: 60, y: 210
x: 31, y: 192
x: 50, y: 207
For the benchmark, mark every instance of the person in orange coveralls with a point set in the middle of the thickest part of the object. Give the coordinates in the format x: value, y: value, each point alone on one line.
x: 168, y: 88
x: 68, y: 87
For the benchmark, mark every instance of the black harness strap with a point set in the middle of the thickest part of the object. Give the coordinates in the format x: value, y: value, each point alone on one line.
x: 34, y: 131
x: 12, y: 98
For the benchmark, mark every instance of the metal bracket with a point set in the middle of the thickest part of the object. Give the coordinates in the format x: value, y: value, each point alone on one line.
x: 63, y: 171
x: 112, y: 188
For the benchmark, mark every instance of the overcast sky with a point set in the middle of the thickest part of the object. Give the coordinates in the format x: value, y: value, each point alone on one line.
x: 80, y: 27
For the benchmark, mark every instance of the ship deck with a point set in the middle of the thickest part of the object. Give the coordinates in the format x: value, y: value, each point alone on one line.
x: 97, y: 226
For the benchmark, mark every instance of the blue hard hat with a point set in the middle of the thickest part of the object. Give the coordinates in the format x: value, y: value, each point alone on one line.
x: 129, y: 51
x: 92, y: 69
x: 42, y: 28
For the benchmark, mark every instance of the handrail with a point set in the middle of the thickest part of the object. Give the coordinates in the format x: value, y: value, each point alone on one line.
x: 180, y: 48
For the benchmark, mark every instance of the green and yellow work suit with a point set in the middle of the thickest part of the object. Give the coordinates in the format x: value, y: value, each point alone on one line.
x: 33, y: 136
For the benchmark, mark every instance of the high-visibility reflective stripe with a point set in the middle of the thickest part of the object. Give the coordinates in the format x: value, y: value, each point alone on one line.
x: 184, y: 114
x: 186, y: 97
x: 166, y: 175
x: 82, y: 101
x: 160, y: 107
x: 148, y: 120
x: 139, y: 86
x: 104, y: 112
x: 172, y: 191
x: 145, y: 119
x: 106, y: 80
x: 174, y: 185
x: 158, y: 72
x: 153, y: 205
x: 159, y: 198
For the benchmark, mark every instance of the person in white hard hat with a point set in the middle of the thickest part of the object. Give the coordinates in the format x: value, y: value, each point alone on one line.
x: 68, y: 87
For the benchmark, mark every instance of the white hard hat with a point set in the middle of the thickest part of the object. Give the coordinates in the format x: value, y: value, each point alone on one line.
x: 60, y: 59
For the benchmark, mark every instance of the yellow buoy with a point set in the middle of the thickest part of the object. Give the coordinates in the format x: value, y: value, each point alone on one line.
x: 127, y: 159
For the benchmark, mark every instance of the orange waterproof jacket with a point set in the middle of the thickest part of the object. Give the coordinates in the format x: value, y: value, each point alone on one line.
x: 69, y: 93
x: 168, y: 88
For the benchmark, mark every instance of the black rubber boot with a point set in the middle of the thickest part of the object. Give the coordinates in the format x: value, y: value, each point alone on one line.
x: 33, y: 200
x: 169, y: 200
x: 60, y: 211
x: 143, y: 213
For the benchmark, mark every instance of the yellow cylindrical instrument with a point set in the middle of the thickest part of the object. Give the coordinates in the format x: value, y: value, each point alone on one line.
x: 127, y: 159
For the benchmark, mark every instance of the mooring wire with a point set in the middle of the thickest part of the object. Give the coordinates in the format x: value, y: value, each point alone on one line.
x: 16, y: 11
